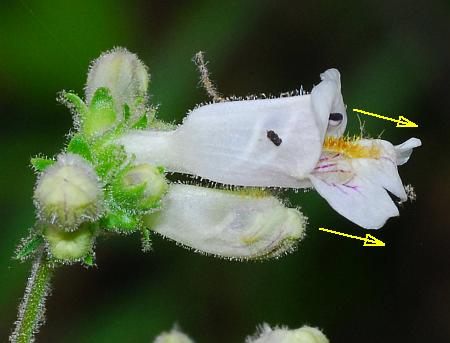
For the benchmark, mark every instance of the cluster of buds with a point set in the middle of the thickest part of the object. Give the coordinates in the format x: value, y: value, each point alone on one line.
x: 93, y: 184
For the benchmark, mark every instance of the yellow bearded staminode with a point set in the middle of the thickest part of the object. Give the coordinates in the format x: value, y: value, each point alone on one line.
x: 350, y: 147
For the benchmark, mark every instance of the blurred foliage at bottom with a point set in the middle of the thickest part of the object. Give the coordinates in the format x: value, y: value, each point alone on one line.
x: 393, y: 58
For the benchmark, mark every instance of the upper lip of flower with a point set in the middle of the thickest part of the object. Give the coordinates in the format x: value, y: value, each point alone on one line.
x: 228, y: 142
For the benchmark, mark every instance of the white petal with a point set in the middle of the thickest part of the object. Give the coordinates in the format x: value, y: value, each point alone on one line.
x: 355, y: 190
x: 305, y: 334
x: 230, y: 142
x: 356, y: 187
x: 327, y: 98
x: 225, y: 223
x: 403, y: 151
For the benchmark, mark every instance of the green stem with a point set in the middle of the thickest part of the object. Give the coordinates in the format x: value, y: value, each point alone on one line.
x: 32, y: 308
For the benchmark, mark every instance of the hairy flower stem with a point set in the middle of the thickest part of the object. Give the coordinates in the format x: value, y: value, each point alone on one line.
x: 31, y: 310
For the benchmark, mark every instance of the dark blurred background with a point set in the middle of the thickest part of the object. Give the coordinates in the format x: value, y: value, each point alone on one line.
x: 393, y: 57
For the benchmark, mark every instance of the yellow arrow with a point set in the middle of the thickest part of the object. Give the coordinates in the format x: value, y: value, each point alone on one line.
x: 369, y: 240
x: 401, y: 121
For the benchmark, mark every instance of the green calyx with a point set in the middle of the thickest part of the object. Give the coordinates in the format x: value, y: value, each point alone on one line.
x: 101, y: 115
x: 39, y: 164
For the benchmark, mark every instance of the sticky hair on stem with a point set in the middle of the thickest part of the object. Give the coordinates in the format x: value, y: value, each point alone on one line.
x: 208, y: 85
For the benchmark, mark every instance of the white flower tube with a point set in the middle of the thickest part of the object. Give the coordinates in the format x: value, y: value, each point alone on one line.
x: 230, y: 224
x: 267, y: 142
x: 305, y: 334
x: 285, y: 142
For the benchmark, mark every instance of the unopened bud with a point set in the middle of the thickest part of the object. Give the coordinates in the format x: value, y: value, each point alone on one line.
x: 69, y: 246
x: 305, y: 334
x: 173, y: 337
x: 143, y: 185
x: 68, y: 193
x: 122, y: 73
x: 234, y: 224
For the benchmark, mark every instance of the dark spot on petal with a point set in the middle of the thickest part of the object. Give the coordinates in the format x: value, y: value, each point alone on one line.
x: 274, y: 138
x: 336, y: 116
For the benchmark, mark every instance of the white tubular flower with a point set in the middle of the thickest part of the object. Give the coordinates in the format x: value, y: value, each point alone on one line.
x: 122, y: 73
x: 173, y: 336
x: 68, y: 193
x: 285, y: 142
x: 267, y: 142
x: 244, y: 225
x: 305, y: 334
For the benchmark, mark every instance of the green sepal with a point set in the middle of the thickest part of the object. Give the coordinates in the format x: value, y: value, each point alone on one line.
x: 75, y: 102
x: 39, y: 164
x: 89, y: 259
x: 160, y: 125
x: 29, y: 247
x: 141, y: 123
x: 109, y: 159
x: 126, y: 112
x: 146, y: 240
x: 79, y: 145
x: 101, y: 115
x: 122, y: 221
x: 128, y: 198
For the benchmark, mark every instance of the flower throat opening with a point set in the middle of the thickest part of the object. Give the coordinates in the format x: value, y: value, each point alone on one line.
x: 350, y: 147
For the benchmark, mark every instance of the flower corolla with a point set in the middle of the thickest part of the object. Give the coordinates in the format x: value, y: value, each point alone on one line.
x: 290, y: 142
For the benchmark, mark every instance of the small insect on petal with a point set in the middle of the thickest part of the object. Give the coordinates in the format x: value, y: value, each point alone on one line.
x: 274, y: 137
x: 335, y: 119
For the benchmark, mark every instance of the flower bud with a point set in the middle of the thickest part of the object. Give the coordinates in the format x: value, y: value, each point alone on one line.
x: 122, y: 73
x: 233, y: 224
x: 141, y: 186
x: 68, y: 193
x: 173, y: 337
x: 305, y: 334
x: 69, y: 246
